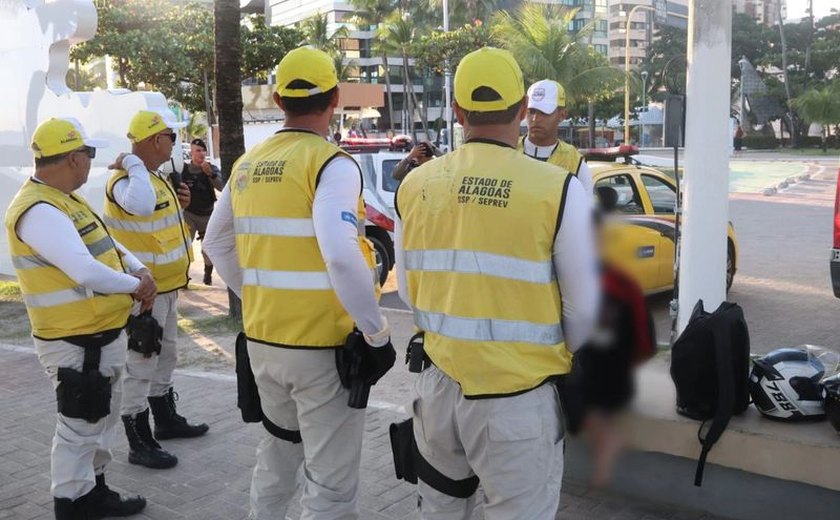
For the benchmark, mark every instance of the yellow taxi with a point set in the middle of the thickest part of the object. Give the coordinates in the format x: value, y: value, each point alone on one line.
x: 641, y: 201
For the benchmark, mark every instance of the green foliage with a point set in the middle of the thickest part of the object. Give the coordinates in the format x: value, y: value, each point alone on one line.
x: 316, y: 33
x: 10, y: 292
x: 820, y: 106
x: 164, y: 46
x: 263, y: 46
x: 433, y: 49
x: 760, y: 142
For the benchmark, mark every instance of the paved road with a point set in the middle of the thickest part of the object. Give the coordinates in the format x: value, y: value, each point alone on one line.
x: 212, y: 477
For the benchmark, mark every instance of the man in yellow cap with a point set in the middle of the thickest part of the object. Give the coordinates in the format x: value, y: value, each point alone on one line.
x: 144, y: 211
x: 495, y: 255
x: 77, y: 284
x: 288, y: 236
x: 546, y: 110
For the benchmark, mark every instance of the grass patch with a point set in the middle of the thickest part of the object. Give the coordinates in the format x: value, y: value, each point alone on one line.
x: 209, y: 325
x: 10, y: 292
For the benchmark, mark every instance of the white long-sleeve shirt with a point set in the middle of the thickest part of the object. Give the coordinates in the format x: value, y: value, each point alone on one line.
x: 574, y: 260
x: 135, y: 194
x: 53, y: 236
x: 337, y: 193
x: 584, y: 174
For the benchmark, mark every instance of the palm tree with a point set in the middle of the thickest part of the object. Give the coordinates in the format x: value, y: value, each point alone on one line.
x: 372, y: 13
x: 821, y: 107
x: 782, y: 37
x: 465, y: 11
x: 539, y: 38
x: 398, y: 33
x: 229, y: 98
x: 316, y: 30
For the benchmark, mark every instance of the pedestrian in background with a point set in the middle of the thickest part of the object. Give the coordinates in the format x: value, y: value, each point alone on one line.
x: 144, y: 211
x: 420, y: 154
x: 77, y: 284
x: 477, y: 223
x: 203, y: 178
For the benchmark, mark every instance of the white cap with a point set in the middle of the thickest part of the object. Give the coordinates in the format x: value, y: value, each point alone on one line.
x: 546, y: 95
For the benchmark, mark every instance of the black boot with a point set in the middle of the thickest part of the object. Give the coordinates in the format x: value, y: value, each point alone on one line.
x: 104, y: 502
x: 68, y: 509
x: 208, y: 272
x: 170, y: 425
x: 144, y: 450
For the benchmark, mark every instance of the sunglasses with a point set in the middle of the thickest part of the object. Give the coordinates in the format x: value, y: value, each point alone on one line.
x: 172, y: 136
x: 88, y: 150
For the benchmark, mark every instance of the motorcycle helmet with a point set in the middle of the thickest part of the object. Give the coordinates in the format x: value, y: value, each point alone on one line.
x: 785, y: 385
x: 831, y: 391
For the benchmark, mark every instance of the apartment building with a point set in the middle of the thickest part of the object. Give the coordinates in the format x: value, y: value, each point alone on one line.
x: 642, y: 27
x: 764, y: 11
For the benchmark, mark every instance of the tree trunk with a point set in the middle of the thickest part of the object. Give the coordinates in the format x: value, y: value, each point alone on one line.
x: 415, y: 105
x: 441, y: 119
x: 229, y: 98
x: 591, y: 118
x: 408, y: 94
x: 388, y: 91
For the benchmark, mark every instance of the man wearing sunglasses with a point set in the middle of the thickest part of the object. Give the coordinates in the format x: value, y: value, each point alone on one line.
x: 145, y: 213
x: 77, y: 284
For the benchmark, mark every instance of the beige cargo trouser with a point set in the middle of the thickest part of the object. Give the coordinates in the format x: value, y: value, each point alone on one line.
x: 514, y: 445
x: 152, y: 376
x: 81, y: 450
x: 300, y: 391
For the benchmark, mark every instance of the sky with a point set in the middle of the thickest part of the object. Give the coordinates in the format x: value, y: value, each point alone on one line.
x: 796, y: 8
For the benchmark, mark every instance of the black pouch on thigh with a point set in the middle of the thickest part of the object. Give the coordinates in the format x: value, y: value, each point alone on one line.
x: 145, y: 335
x: 403, y: 447
x: 86, y: 394
x: 247, y: 393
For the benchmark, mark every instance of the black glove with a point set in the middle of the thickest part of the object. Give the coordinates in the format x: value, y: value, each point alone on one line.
x: 378, y: 361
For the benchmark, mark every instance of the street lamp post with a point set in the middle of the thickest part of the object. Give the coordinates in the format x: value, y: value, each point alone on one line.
x: 447, y: 83
x: 627, y: 69
x: 644, y: 75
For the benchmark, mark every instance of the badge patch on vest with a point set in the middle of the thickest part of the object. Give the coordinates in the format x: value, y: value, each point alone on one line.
x: 347, y: 216
x: 646, y: 252
x: 162, y: 205
x: 87, y: 229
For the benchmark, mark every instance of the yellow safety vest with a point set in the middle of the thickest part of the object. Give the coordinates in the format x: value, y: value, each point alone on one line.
x: 58, y: 307
x: 478, y: 231
x: 287, y: 297
x: 564, y: 155
x: 161, y: 240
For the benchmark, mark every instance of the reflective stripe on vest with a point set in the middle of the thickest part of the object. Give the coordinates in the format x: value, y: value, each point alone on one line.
x: 52, y: 299
x: 488, y: 329
x: 292, y: 280
x: 281, y: 227
x: 166, y: 258
x: 142, y: 227
x: 477, y: 262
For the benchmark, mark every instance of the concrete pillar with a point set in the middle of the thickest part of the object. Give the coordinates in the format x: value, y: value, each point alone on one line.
x: 702, y: 267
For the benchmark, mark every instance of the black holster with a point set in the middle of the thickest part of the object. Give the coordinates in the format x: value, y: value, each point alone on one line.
x: 415, y: 354
x: 144, y: 334
x: 349, y: 361
x: 411, y: 466
x: 247, y: 393
x: 86, y: 394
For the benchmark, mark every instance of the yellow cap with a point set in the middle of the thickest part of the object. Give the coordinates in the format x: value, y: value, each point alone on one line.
x: 546, y: 95
x: 147, y: 123
x: 306, y: 64
x: 60, y: 135
x: 491, y: 68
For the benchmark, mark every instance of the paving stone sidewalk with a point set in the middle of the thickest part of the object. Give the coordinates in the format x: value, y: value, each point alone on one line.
x: 212, y: 477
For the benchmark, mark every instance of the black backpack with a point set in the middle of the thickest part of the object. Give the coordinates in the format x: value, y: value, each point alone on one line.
x: 710, y: 364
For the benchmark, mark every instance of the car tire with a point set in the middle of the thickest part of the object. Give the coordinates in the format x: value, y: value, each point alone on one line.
x: 383, y: 257
x: 730, y: 265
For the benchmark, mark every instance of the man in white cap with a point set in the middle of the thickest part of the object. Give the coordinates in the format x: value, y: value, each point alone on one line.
x: 144, y: 211
x: 77, y: 284
x: 546, y: 110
